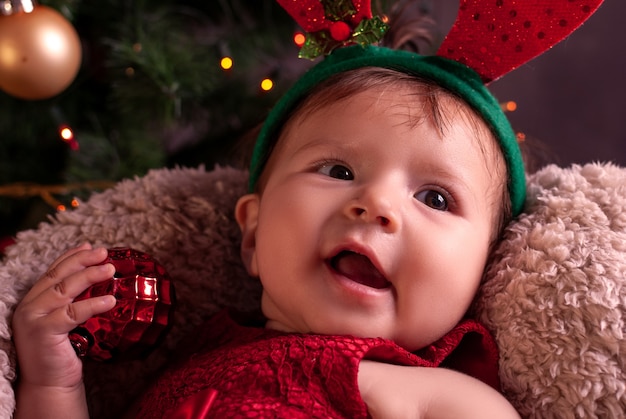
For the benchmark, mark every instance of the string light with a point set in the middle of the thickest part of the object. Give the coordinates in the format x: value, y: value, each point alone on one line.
x: 299, y: 39
x: 67, y: 134
x: 509, y: 106
x: 226, y: 63
x: 267, y: 84
x: 47, y: 192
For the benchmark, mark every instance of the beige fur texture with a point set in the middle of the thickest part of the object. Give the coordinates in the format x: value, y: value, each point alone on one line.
x: 554, y: 295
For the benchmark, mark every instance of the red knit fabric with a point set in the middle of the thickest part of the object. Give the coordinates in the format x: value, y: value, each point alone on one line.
x: 232, y: 371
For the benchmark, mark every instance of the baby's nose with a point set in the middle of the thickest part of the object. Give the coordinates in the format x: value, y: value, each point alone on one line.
x: 374, y: 205
x: 360, y: 212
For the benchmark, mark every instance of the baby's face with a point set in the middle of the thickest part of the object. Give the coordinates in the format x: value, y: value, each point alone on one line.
x: 368, y: 225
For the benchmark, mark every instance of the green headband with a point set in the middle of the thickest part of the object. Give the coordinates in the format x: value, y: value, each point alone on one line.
x: 451, y: 75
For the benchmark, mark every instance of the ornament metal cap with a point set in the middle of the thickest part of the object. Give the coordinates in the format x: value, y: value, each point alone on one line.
x: 11, y: 7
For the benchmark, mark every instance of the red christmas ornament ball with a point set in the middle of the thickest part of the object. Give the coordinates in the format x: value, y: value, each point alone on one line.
x: 143, y: 313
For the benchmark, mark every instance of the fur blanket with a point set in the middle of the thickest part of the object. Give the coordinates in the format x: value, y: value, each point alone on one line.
x: 554, y: 295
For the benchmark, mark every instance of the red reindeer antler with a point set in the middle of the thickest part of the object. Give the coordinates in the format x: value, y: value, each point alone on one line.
x: 494, y: 37
x: 309, y: 14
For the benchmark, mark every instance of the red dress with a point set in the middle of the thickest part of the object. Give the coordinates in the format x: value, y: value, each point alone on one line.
x: 233, y: 371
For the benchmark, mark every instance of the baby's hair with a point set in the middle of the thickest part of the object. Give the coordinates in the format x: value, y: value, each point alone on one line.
x: 411, y: 28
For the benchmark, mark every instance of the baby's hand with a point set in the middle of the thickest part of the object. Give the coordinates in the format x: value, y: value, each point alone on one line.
x: 47, y: 313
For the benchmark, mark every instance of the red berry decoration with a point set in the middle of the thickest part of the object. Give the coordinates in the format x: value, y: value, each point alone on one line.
x: 340, y: 31
x: 143, y: 313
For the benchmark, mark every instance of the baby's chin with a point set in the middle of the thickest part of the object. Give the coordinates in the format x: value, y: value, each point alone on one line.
x: 282, y: 327
x: 410, y: 343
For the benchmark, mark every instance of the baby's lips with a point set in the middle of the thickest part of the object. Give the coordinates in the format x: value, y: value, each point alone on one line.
x: 359, y: 268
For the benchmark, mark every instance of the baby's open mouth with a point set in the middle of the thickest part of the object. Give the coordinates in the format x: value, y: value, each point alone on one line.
x: 358, y: 268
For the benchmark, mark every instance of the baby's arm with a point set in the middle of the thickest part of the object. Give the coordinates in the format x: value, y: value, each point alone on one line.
x: 50, y: 383
x: 394, y: 391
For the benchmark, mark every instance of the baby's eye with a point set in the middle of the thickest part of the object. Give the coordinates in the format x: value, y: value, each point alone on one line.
x: 337, y: 171
x: 435, y: 200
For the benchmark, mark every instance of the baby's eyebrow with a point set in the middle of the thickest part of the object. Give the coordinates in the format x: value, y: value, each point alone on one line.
x: 451, y: 176
x: 326, y: 144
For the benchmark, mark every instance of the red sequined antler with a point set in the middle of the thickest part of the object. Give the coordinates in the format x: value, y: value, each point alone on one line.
x: 307, y: 13
x: 494, y: 37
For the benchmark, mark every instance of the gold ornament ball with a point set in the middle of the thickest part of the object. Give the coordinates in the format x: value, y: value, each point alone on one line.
x: 40, y: 53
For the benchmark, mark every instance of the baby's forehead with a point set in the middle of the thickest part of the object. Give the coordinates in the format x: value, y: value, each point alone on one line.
x: 410, y: 104
x: 413, y: 102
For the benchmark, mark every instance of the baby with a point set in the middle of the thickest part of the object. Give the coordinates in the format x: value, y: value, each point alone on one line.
x: 373, y: 217
x: 378, y: 185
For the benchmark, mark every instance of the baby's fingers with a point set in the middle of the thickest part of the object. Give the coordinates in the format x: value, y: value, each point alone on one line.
x: 66, y: 318
x: 63, y: 292
x: 52, y: 311
x: 73, y: 261
x: 70, y: 252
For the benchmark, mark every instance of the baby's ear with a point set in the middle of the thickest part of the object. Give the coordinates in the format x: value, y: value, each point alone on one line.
x: 246, y: 214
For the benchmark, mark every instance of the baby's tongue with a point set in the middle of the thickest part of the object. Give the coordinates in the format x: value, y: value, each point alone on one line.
x: 359, y: 269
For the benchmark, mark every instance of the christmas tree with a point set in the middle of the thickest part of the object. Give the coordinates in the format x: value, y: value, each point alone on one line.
x: 158, y: 83
x: 152, y: 91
